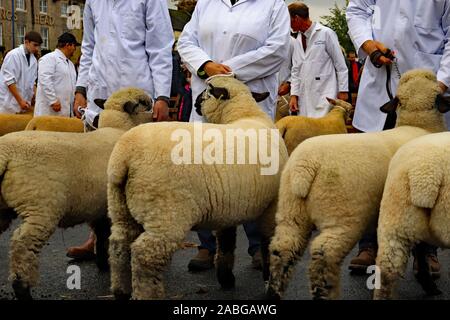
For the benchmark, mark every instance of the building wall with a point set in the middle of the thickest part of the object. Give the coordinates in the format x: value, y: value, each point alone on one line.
x: 32, y: 19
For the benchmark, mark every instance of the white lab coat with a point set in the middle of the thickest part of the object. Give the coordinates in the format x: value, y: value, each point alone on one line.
x: 126, y: 43
x: 318, y: 73
x: 56, y: 82
x: 285, y: 72
x: 15, y: 69
x: 417, y: 30
x: 251, y: 37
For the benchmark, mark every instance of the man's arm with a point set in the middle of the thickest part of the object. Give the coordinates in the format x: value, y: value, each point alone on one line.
x: 359, y: 19
x: 336, y: 55
x: 45, y: 82
x: 443, y: 74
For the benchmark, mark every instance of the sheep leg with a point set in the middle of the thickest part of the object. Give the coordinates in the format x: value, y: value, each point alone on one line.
x: 150, y: 254
x: 287, y: 246
x: 226, y: 244
x: 26, y: 244
x: 124, y: 231
x: 6, y: 217
x: 102, y: 229
x: 328, y: 250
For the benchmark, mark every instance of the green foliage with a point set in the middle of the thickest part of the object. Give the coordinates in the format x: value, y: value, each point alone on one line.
x: 337, y: 21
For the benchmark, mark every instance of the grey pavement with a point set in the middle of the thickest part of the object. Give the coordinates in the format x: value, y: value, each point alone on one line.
x: 182, y: 285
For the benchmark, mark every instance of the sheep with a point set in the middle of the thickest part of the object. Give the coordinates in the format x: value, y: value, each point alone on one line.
x: 335, y: 183
x: 295, y: 129
x: 55, y: 123
x: 53, y: 179
x: 154, y: 199
x: 415, y: 207
x: 14, y: 122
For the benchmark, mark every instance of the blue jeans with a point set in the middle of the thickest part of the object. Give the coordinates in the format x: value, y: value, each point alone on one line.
x: 208, y: 240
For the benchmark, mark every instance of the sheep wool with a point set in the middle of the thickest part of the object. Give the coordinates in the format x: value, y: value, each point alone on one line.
x: 335, y: 183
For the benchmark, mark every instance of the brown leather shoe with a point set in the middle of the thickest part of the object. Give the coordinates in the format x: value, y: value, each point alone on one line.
x: 433, y: 265
x: 257, y: 260
x: 365, y: 258
x: 84, y: 252
x: 204, y: 260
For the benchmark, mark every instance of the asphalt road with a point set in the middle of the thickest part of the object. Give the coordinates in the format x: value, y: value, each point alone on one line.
x: 182, y: 285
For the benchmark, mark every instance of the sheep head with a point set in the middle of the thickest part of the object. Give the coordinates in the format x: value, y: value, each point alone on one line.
x: 343, y: 105
x: 126, y: 108
x: 226, y: 99
x: 418, y: 90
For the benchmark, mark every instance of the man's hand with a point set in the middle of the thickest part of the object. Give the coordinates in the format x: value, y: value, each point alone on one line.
x: 212, y: 68
x: 293, y: 104
x: 56, y: 106
x: 80, y: 101
x: 443, y: 87
x: 284, y: 88
x: 160, y: 111
x: 371, y: 46
x: 343, y: 96
x: 24, y: 105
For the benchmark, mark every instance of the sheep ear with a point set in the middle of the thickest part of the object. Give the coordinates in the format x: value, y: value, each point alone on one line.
x: 260, y: 96
x: 130, y: 106
x: 391, y: 106
x: 332, y: 101
x: 219, y: 93
x: 100, y: 103
x: 442, y: 104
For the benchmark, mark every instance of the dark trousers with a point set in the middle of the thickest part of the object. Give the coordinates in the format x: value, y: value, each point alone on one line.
x: 208, y: 240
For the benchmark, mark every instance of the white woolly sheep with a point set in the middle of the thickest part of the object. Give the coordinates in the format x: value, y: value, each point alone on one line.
x: 154, y: 199
x: 53, y: 179
x: 14, y: 122
x: 415, y: 208
x: 295, y: 129
x: 335, y: 183
x: 55, y: 123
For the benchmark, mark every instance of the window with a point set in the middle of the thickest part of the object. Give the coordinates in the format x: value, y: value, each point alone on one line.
x: 1, y: 4
x: 20, y: 34
x: 44, y: 35
x: 81, y: 10
x: 20, y: 5
x: 63, y: 9
x: 43, y: 6
x: 1, y: 34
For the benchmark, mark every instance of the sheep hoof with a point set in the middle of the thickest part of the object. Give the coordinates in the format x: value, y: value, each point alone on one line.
x: 119, y: 295
x: 102, y: 264
x: 21, y: 291
x: 271, y: 294
x: 226, y: 278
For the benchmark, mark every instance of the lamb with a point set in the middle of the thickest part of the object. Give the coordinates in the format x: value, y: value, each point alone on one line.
x: 154, y: 199
x: 335, y: 183
x: 295, y: 129
x: 415, y: 207
x: 55, y: 123
x: 53, y: 179
x: 14, y: 122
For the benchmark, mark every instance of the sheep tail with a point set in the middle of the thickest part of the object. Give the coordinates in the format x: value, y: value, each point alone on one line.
x: 425, y: 180
x: 302, y: 177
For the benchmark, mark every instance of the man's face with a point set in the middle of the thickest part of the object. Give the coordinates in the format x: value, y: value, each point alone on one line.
x: 352, y: 56
x: 71, y: 48
x: 32, y: 47
x: 299, y: 24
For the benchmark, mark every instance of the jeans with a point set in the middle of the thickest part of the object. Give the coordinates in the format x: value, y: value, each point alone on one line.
x: 208, y: 240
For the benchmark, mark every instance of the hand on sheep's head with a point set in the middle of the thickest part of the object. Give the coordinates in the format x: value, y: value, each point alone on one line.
x: 418, y: 90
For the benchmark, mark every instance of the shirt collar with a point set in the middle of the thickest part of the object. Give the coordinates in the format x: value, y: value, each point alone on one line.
x: 310, y: 30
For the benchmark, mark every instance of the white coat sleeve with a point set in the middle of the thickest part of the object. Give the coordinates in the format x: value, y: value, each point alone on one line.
x: 267, y: 59
x: 188, y: 47
x: 443, y: 74
x: 286, y: 67
x: 335, y: 53
x: 297, y: 62
x: 87, y: 46
x: 158, y: 45
x: 46, y: 73
x: 10, y: 68
x: 359, y: 19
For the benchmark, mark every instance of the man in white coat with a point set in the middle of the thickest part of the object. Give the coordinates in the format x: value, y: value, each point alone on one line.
x: 318, y: 65
x: 18, y: 75
x: 126, y: 43
x: 251, y: 39
x: 418, y: 32
x: 57, y: 79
